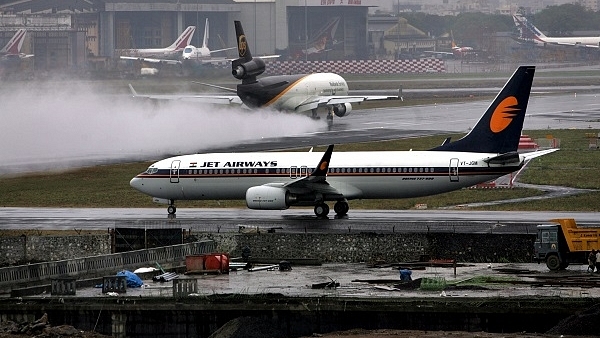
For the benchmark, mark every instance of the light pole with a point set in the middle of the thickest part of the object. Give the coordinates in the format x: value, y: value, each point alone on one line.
x: 305, y: 32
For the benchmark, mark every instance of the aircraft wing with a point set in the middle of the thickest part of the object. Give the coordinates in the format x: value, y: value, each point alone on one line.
x: 222, y: 50
x: 321, y: 101
x: 438, y: 52
x: 152, y: 60
x: 207, y: 99
x: 570, y: 44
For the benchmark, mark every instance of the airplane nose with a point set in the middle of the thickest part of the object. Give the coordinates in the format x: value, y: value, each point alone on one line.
x: 136, y: 183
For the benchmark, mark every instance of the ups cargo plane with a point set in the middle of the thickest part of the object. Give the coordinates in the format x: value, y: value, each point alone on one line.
x: 279, y: 180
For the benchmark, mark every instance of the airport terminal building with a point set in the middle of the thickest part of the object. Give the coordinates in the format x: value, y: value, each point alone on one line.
x: 76, y: 33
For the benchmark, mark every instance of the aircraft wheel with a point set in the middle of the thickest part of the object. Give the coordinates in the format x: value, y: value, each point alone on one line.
x: 314, y: 114
x: 321, y: 210
x: 341, y: 208
x: 171, y: 209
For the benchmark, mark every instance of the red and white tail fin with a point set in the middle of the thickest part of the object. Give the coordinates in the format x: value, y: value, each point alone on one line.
x: 184, y: 39
x: 13, y: 47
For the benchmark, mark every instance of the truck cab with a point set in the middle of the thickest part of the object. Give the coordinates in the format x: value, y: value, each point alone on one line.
x: 546, y: 247
x: 565, y: 242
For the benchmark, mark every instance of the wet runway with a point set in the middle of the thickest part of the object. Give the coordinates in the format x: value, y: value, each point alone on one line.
x: 561, y: 111
x: 295, y: 220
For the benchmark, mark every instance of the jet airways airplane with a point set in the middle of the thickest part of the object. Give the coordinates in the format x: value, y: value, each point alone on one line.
x: 166, y: 55
x: 530, y: 33
x: 12, y: 50
x: 279, y: 180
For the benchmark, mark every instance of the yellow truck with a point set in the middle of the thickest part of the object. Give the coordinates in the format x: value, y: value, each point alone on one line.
x: 563, y: 243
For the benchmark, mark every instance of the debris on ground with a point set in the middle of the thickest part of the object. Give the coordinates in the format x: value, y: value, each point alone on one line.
x: 41, y: 328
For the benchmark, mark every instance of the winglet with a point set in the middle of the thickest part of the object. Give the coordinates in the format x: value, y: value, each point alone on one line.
x: 133, y: 92
x: 323, y: 167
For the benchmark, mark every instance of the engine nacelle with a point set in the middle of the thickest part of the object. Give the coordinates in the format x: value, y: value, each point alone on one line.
x: 342, y: 109
x: 254, y: 67
x: 268, y: 198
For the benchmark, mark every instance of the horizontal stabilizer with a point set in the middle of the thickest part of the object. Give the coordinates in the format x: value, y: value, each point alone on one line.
x: 534, y: 154
x: 504, y: 159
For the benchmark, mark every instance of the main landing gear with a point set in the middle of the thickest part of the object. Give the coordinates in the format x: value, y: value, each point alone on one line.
x: 340, y: 207
x: 171, y: 209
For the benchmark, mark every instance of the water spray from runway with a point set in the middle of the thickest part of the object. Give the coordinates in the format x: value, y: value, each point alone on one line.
x: 68, y: 125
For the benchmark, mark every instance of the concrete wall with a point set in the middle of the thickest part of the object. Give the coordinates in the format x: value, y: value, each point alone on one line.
x: 371, y: 247
x: 20, y: 249
x: 345, y: 247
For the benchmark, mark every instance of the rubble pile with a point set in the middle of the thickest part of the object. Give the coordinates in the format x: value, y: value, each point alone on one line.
x: 248, y: 327
x: 584, y: 323
x: 41, y: 328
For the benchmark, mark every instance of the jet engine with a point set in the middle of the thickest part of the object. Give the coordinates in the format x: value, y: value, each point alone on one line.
x: 269, y: 198
x: 250, y: 69
x: 342, y: 109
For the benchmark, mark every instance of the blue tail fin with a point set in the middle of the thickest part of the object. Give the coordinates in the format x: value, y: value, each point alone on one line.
x: 499, y: 129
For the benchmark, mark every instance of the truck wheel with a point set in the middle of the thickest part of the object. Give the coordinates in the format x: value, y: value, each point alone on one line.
x: 553, y: 263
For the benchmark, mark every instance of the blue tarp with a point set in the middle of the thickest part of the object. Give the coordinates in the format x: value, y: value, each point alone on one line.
x: 133, y: 281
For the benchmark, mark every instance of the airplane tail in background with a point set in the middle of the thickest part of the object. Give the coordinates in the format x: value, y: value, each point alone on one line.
x: 499, y: 129
x: 184, y: 39
x: 527, y: 31
x: 13, y: 47
x: 205, y: 39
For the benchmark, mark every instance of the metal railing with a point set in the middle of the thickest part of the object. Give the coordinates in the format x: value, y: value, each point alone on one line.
x: 97, y: 266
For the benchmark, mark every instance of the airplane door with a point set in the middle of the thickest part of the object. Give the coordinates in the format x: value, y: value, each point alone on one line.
x: 293, y: 172
x: 453, y: 170
x: 175, y: 171
x: 303, y: 171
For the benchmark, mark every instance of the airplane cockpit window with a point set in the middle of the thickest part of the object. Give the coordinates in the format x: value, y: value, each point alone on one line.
x: 187, y: 50
x: 151, y: 170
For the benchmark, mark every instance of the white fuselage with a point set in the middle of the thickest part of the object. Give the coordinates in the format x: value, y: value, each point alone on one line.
x: 574, y: 41
x: 308, y: 89
x: 191, y: 52
x: 357, y: 175
x: 149, y: 52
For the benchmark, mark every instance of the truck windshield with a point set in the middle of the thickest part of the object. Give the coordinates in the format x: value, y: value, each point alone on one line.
x: 548, y: 236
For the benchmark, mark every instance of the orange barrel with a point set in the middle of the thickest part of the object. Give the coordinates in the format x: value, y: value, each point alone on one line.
x: 217, y: 261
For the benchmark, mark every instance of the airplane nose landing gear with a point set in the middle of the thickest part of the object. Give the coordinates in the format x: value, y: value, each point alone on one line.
x: 171, y: 209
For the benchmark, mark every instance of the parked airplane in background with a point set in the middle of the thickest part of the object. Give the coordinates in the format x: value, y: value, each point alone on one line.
x: 12, y: 50
x: 279, y: 180
x: 529, y: 33
x: 298, y: 93
x: 202, y: 54
x: 460, y: 51
x: 456, y: 51
x: 323, y: 41
x: 166, y: 55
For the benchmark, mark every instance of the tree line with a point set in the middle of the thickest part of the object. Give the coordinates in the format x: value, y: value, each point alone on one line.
x: 470, y: 28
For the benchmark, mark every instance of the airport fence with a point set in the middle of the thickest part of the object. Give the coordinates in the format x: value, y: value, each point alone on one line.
x: 98, y: 266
